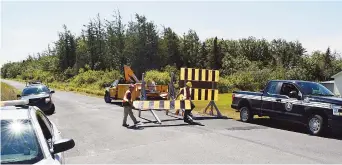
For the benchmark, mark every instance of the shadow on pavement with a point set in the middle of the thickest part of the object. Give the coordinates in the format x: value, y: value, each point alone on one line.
x: 141, y: 127
x: 293, y: 127
x: 117, y: 103
x: 164, y: 125
x: 210, y: 118
x: 150, y: 121
x: 156, y: 124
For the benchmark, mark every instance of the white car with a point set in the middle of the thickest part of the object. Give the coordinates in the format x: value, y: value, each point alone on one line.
x: 29, y: 137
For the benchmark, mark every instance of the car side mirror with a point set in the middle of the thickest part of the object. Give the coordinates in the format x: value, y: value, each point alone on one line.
x: 52, y: 91
x: 63, y: 145
x: 18, y: 95
x: 293, y: 94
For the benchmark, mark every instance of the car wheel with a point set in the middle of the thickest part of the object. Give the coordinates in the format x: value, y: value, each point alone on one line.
x: 52, y: 110
x: 107, y: 98
x: 245, y: 114
x: 315, y: 124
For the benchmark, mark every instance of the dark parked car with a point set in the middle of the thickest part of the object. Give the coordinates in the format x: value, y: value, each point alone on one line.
x: 39, y: 95
x: 306, y: 102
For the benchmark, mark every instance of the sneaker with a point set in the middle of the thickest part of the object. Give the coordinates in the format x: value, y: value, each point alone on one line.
x: 125, y: 125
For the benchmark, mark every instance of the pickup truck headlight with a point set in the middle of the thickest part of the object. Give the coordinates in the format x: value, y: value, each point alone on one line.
x: 47, y: 100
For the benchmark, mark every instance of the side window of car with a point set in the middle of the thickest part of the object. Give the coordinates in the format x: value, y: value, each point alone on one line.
x: 272, y: 88
x: 286, y: 88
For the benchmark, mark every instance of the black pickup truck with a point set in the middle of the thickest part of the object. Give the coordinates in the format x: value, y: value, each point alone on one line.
x: 305, y: 102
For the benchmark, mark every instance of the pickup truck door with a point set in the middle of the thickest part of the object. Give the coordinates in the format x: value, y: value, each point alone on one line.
x: 268, y: 98
x: 287, y: 107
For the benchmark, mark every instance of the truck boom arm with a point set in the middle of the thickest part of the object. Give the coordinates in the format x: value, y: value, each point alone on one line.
x: 129, y: 75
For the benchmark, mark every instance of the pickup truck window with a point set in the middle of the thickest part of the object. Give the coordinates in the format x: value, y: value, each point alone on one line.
x: 272, y: 87
x: 311, y: 88
x: 286, y: 88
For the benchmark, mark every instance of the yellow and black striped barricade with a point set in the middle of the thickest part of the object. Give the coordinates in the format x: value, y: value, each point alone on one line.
x: 201, y: 75
x: 161, y: 104
x: 204, y: 85
x: 167, y: 105
x: 204, y: 94
x: 200, y: 78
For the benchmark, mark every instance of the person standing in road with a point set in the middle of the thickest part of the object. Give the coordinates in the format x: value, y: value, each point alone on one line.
x: 186, y: 92
x: 128, y: 106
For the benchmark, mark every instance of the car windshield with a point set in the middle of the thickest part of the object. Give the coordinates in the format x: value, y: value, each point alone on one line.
x: 35, y: 90
x: 311, y: 88
x: 19, y: 143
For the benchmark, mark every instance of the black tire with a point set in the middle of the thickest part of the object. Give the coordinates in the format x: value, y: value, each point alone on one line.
x: 316, y: 124
x: 51, y: 110
x: 245, y: 114
x: 107, y: 98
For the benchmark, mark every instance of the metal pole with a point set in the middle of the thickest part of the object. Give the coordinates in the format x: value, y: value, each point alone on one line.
x: 143, y: 92
x: 211, y: 100
x: 155, y: 116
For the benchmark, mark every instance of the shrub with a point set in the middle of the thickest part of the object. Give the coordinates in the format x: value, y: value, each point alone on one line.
x: 97, y: 79
x: 161, y: 78
x: 225, y: 85
x: 172, y: 69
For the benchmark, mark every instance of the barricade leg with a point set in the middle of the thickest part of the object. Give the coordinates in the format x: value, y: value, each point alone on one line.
x: 155, y: 116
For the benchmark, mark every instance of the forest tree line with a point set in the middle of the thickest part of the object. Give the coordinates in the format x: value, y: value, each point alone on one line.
x: 105, y: 46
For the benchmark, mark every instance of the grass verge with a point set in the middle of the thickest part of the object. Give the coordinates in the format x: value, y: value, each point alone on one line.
x: 62, y: 86
x: 8, y: 92
x: 223, y: 102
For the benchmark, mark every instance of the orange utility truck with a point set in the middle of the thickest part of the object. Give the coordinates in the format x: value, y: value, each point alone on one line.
x: 117, y: 89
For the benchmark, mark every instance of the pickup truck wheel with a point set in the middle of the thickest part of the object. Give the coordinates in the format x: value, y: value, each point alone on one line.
x: 245, y: 114
x: 315, y: 124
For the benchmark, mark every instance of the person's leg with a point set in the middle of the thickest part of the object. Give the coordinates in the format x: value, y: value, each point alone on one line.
x: 186, y: 116
x: 124, y: 122
x: 192, y: 107
x: 130, y: 112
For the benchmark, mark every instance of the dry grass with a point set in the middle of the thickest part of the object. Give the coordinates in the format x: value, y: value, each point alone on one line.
x: 8, y: 92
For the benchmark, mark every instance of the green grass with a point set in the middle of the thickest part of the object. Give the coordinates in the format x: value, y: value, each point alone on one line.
x: 223, y: 104
x: 8, y: 92
x: 62, y: 86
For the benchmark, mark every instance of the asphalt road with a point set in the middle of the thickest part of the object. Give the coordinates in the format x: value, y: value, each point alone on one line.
x: 96, y: 128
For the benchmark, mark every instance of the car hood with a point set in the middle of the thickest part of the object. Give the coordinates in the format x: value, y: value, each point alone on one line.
x: 34, y: 96
x: 326, y: 99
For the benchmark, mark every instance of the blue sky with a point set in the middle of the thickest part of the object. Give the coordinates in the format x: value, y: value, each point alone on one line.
x: 28, y: 27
